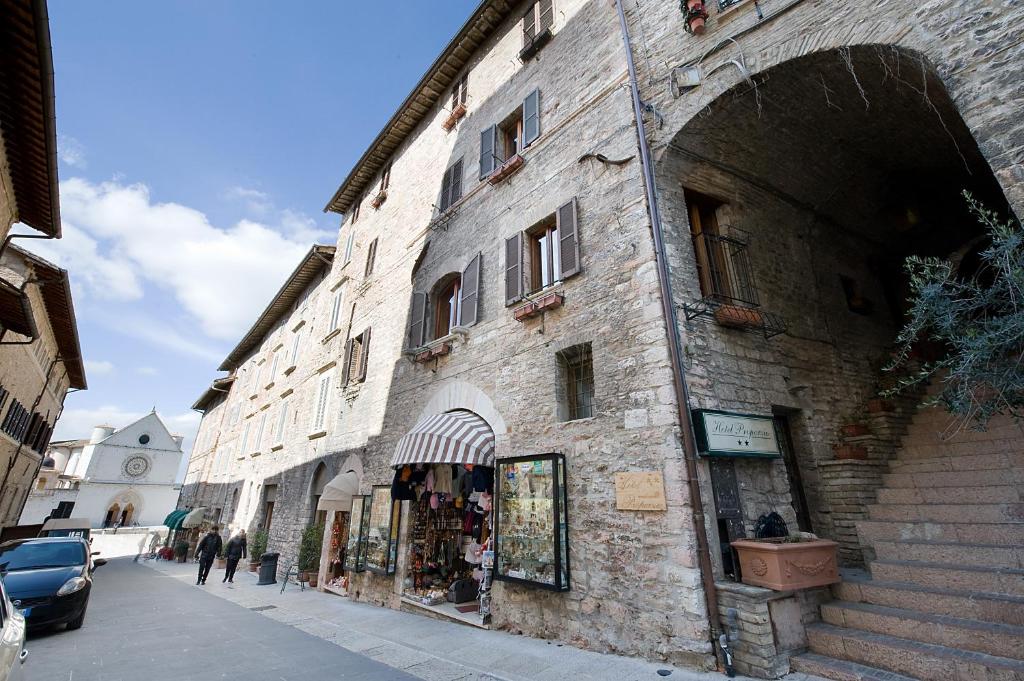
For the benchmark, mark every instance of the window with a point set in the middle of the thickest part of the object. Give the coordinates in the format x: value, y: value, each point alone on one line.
x: 335, y: 316
x: 296, y: 337
x: 244, y: 442
x: 537, y: 24
x: 371, y: 255
x: 357, y: 353
x: 723, y: 259
x: 459, y: 91
x: 273, y: 369
x: 258, y: 443
x: 553, y: 250
x: 355, y: 209
x: 451, y: 186
x: 576, y: 379
x: 385, y: 177
x: 256, y: 382
x: 322, y: 400
x: 447, y: 307
x: 349, y: 244
x: 282, y: 418
x: 500, y: 143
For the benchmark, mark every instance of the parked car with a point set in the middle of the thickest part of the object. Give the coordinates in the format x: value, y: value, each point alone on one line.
x: 49, y: 579
x: 66, y: 527
x: 12, y: 639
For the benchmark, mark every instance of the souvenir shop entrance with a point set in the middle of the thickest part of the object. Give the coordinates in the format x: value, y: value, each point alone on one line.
x: 336, y: 501
x: 444, y: 468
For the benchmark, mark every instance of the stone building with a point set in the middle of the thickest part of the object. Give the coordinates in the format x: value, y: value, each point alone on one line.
x: 563, y: 247
x: 40, y: 356
x: 116, y: 477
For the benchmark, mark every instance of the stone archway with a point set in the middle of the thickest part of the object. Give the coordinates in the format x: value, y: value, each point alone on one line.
x: 463, y: 395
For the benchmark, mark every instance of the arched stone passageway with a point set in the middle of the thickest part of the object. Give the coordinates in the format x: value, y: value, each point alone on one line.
x: 798, y: 194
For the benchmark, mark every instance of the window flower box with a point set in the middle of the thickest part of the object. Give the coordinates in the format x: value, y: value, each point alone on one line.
x: 550, y: 301
x: 506, y: 169
x: 533, y: 46
x: 379, y: 199
x: 787, y: 563
x: 738, y: 317
x: 430, y: 353
x: 457, y: 113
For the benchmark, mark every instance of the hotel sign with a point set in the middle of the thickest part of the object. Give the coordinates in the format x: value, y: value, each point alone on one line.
x: 722, y: 433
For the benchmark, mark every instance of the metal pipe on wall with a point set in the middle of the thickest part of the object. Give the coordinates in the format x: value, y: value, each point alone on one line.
x: 675, y: 343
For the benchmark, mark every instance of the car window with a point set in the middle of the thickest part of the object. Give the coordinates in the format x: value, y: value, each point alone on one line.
x: 30, y: 555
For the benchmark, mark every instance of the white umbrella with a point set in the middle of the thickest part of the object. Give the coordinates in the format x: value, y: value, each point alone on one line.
x: 194, y: 518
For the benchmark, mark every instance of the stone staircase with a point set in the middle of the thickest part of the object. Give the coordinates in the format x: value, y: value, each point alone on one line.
x: 944, y: 542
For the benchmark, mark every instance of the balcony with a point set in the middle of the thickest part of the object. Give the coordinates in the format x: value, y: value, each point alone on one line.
x: 730, y: 297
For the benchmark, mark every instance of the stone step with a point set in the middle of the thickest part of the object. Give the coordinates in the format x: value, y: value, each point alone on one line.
x: 924, y: 661
x: 929, y: 433
x: 994, y: 534
x: 977, y: 605
x: 961, y: 577
x: 948, y: 513
x: 982, y: 478
x: 1004, y: 494
x: 951, y: 553
x: 966, y: 634
x: 940, y: 460
x: 841, y: 670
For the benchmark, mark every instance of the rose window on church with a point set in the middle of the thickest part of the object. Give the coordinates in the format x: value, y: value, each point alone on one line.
x: 136, y: 466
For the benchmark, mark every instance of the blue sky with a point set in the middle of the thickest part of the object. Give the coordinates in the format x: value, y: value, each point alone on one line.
x: 198, y: 144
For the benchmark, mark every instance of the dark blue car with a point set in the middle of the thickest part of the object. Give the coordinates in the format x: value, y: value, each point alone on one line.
x: 49, y: 579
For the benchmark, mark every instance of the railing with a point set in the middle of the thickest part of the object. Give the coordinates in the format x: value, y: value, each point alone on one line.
x: 726, y: 4
x: 724, y: 266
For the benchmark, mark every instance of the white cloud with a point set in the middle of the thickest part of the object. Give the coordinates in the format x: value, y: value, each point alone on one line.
x: 147, y: 371
x: 71, y: 151
x: 254, y: 200
x: 223, y: 277
x: 99, y: 367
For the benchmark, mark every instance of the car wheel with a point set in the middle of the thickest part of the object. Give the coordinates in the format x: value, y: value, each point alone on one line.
x: 77, y: 622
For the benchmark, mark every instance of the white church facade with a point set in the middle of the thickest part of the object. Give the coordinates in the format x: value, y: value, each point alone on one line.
x: 120, y: 477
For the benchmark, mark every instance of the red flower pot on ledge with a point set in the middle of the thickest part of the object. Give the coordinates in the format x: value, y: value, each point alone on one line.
x: 696, y: 15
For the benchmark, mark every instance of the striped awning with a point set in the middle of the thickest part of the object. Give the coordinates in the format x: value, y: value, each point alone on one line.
x: 455, y: 437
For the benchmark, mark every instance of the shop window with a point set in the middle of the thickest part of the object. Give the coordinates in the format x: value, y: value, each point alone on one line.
x: 357, y: 352
x: 552, y: 254
x: 371, y: 255
x: 358, y: 530
x: 537, y: 24
x: 576, y: 382
x: 451, y: 186
x: 382, y: 531
x: 532, y: 533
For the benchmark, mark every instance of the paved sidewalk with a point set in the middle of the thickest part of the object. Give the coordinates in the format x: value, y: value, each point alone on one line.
x: 422, y: 646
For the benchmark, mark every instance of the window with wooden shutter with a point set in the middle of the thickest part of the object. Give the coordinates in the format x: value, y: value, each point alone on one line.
x: 349, y: 244
x: 258, y: 443
x: 530, y: 24
x: 459, y: 91
x: 371, y: 255
x: 469, y: 301
x: 355, y: 210
x: 537, y: 23
x: 346, y: 366
x: 451, y: 186
x: 568, y: 237
x: 335, y: 312
x: 417, y: 319
x: 545, y: 15
x: 488, y: 142
x: 282, y: 417
x: 322, y: 400
x: 514, y: 268
x: 531, y: 118
x: 364, y: 356
x: 296, y: 338
x: 385, y: 177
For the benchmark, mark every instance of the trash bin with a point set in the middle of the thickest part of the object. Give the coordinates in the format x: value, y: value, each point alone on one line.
x: 268, y: 568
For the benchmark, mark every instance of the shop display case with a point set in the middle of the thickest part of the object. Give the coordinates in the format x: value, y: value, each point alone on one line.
x: 531, y: 531
x: 382, y: 531
x: 358, y: 527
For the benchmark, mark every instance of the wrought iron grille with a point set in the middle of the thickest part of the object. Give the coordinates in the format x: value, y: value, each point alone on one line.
x: 725, y: 274
x: 726, y: 4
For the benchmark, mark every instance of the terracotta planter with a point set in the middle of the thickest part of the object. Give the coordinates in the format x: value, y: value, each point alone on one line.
x: 379, y: 199
x: 850, y: 452
x: 222, y: 563
x: 854, y: 430
x: 254, y: 566
x: 458, y: 112
x: 696, y: 15
x: 786, y: 566
x: 506, y: 169
x: 313, y: 578
x: 524, y: 311
x: 303, y: 576
x: 736, y: 317
x: 876, y: 406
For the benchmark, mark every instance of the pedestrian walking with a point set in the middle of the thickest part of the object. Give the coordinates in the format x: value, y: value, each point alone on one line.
x: 209, y: 547
x: 235, y: 550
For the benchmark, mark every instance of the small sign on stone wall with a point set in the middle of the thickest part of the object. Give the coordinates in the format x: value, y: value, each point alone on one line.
x: 640, y: 491
x: 721, y: 433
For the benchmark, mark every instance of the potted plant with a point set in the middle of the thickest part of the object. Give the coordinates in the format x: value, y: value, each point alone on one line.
x: 257, y: 547
x: 222, y: 562
x: 181, y: 551
x: 800, y: 561
x: 309, y: 553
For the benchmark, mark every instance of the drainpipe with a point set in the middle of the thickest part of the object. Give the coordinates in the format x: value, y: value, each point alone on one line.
x: 675, y: 344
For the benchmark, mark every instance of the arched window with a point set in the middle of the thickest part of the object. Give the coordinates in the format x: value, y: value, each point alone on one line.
x: 447, y: 306
x: 453, y: 301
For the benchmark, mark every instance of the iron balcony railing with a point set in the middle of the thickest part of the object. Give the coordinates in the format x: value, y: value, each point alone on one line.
x: 725, y: 273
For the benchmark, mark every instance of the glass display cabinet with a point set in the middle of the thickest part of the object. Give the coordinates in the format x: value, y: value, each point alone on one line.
x: 382, y: 531
x: 531, y: 527
x: 358, y: 526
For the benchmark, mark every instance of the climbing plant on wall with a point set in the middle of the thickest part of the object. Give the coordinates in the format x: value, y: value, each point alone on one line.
x: 977, y: 318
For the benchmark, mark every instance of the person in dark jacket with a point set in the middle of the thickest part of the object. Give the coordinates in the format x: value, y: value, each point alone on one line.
x: 234, y: 551
x: 209, y: 547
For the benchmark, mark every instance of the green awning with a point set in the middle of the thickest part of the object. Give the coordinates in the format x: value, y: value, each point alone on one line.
x: 174, y: 518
